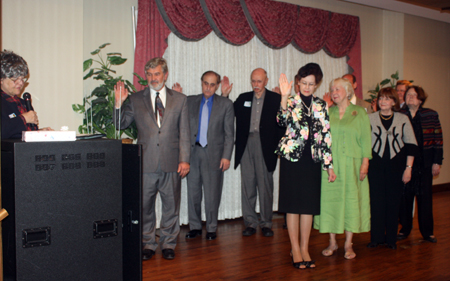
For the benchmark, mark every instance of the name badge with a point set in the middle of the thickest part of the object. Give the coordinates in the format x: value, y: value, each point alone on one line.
x: 318, y: 114
x: 12, y: 115
x: 248, y: 104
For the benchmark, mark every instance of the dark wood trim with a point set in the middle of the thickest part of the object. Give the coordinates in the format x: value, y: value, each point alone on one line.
x: 441, y: 187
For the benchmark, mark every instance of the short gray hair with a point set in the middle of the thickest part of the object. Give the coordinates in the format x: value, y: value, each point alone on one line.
x: 153, y: 63
x: 346, y: 84
x: 13, y: 65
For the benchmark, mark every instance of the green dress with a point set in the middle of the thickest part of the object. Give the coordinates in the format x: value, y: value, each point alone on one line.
x: 345, y: 203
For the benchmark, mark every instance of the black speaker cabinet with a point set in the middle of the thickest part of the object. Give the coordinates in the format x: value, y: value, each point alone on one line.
x: 65, y: 206
x: 131, y: 205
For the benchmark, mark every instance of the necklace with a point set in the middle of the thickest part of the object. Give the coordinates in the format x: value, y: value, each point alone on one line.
x: 309, y: 108
x: 386, y: 118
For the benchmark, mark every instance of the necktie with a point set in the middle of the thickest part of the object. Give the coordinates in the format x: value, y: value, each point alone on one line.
x: 159, y: 109
x: 204, y: 125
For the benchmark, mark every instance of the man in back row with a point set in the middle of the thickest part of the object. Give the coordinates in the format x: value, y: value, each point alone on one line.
x: 257, y: 137
x: 211, y: 119
x: 355, y: 100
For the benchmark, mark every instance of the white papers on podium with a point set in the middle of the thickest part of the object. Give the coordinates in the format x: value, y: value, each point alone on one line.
x: 30, y: 136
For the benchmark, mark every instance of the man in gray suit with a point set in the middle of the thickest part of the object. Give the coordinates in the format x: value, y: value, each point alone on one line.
x: 355, y: 100
x: 211, y: 119
x: 161, y: 117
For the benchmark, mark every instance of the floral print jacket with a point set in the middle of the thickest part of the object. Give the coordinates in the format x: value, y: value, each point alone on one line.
x: 297, y: 132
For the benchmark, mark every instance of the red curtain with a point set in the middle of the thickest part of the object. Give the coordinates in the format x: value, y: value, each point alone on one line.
x: 276, y: 24
x: 313, y: 24
x: 151, y: 37
x: 228, y: 21
x: 273, y: 22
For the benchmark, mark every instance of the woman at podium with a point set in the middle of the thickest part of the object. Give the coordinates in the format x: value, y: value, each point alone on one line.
x: 17, y: 114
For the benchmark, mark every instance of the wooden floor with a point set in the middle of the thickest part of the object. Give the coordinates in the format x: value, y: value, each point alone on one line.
x: 234, y: 257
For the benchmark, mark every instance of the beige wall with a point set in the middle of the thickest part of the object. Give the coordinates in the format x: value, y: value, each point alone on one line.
x: 56, y: 36
x: 49, y: 35
x: 427, y: 61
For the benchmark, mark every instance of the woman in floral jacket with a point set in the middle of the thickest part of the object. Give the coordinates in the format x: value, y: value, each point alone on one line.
x: 304, y: 150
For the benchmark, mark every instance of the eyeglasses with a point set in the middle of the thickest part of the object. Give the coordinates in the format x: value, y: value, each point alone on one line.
x: 412, y: 95
x: 23, y: 79
x: 304, y: 83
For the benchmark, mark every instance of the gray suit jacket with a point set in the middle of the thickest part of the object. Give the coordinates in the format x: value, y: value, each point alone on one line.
x: 220, y: 128
x: 166, y: 146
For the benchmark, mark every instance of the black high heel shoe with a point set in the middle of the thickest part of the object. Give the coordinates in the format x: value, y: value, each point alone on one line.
x: 310, y: 264
x: 298, y: 264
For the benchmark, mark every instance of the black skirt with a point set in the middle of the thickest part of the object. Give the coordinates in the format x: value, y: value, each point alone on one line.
x: 300, y: 185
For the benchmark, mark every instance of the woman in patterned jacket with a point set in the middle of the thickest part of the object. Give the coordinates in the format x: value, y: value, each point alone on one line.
x: 305, y: 149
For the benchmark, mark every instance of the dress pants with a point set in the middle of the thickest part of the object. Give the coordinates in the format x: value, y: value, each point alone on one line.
x: 255, y: 178
x: 424, y: 205
x: 386, y: 189
x: 169, y: 187
x: 201, y: 173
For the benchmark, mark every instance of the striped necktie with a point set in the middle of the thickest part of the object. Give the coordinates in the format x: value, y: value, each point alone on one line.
x: 159, y: 109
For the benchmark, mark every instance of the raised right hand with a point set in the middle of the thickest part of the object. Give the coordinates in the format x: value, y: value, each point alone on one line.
x: 285, y: 86
x: 121, y: 93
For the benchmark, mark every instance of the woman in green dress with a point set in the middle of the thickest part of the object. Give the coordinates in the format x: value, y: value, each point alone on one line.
x: 344, y: 204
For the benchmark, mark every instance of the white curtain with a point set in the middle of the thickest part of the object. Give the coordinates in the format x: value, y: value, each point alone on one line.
x: 187, y: 61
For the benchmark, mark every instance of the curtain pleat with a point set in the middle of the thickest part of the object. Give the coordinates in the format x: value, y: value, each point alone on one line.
x: 228, y: 21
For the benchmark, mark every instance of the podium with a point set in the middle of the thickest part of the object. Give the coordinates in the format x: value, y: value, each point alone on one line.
x: 66, y: 217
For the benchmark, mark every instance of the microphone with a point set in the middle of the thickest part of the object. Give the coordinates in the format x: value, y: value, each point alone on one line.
x: 27, y: 98
x: 29, y: 107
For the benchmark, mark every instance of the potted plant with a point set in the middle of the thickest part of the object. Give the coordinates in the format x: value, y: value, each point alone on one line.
x: 98, y: 106
x: 391, y: 81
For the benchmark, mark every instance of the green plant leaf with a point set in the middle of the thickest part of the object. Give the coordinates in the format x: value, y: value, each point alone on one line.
x: 115, y: 60
x: 99, y: 100
x: 395, y: 75
x: 384, y: 82
x: 110, y: 132
x: 108, y: 70
x: 112, y: 82
x: 138, y: 76
x: 78, y: 108
x: 90, y: 73
x: 98, y: 129
x: 131, y: 86
x: 100, y: 91
x: 95, y: 52
x: 114, y: 54
x: 102, y: 76
x: 87, y: 64
x: 104, y: 45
